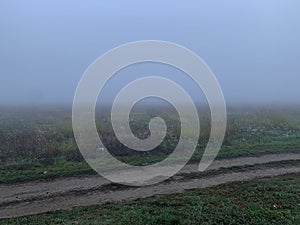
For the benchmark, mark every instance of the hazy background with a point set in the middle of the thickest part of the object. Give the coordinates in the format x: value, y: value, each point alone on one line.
x: 253, y: 47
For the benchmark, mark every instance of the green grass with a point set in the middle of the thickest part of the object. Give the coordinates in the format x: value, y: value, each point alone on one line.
x: 19, y: 172
x: 264, y: 201
x: 60, y: 168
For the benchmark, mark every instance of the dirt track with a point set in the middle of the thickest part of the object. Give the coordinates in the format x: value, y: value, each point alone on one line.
x: 65, y: 193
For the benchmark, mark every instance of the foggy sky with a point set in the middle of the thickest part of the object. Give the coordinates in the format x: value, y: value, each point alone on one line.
x: 253, y: 47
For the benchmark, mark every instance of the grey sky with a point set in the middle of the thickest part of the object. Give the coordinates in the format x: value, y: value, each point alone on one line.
x: 253, y: 47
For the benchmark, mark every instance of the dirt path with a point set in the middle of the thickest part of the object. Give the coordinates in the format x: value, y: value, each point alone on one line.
x: 65, y: 193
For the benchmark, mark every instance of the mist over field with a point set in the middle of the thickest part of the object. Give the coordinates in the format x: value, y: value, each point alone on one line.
x: 149, y: 146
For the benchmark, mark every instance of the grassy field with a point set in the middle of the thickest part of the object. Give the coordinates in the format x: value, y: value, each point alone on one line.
x: 264, y: 201
x: 35, y: 140
x: 39, y: 144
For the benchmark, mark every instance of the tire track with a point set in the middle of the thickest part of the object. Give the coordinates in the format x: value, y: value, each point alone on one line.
x: 65, y: 193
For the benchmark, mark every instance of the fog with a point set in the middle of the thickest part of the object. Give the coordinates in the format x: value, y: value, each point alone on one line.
x: 252, y: 46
